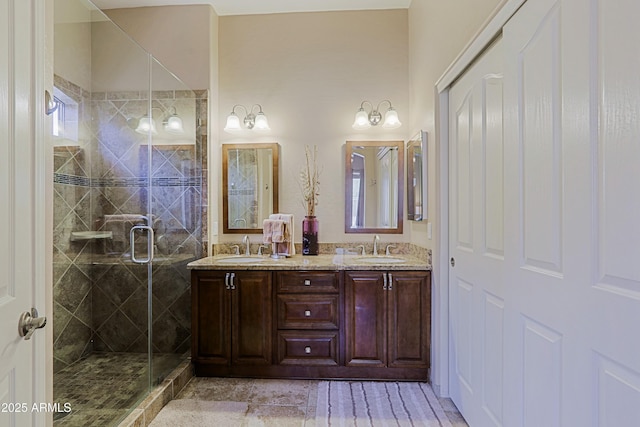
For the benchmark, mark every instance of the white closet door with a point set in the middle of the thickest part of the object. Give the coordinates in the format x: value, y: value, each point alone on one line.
x: 477, y: 240
x: 572, y: 150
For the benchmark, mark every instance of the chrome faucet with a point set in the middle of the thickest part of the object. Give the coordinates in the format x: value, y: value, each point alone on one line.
x: 247, y: 245
x: 376, y: 239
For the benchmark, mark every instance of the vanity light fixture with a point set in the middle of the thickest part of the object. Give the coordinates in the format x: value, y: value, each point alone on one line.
x: 257, y: 122
x: 172, y: 123
x: 365, y: 119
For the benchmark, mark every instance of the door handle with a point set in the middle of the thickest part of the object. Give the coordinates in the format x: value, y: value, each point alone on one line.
x: 226, y: 281
x: 150, y: 239
x: 390, y: 282
x: 384, y: 280
x: 453, y: 262
x: 29, y: 322
x: 233, y: 276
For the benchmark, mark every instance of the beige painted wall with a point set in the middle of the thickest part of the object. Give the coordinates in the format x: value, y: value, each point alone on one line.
x: 178, y: 36
x: 72, y: 42
x: 310, y: 72
x: 438, y: 31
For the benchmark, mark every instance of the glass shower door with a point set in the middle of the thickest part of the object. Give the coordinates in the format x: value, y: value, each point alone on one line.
x: 125, y: 173
x: 175, y: 209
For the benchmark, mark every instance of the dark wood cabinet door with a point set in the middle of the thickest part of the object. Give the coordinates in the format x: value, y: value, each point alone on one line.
x: 211, y: 326
x: 409, y: 319
x: 365, y: 319
x: 252, y: 317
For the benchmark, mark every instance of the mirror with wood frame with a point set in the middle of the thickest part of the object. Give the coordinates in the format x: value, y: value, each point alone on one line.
x: 374, y: 187
x: 249, y: 185
x: 416, y: 177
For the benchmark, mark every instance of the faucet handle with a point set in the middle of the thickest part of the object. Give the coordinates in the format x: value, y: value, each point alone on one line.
x: 260, y: 249
x: 236, y: 249
x: 363, y: 253
x: 387, y: 250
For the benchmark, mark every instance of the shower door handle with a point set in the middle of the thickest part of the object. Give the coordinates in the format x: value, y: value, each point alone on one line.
x: 132, y: 239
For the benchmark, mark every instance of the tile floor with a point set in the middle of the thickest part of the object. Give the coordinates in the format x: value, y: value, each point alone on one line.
x: 260, y: 402
x: 104, y: 387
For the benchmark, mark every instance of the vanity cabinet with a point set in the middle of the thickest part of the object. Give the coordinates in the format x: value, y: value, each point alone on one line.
x: 308, y: 318
x: 231, y: 320
x: 261, y: 323
x: 387, y: 319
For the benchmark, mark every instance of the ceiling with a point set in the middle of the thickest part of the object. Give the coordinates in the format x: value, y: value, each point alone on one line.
x: 252, y: 7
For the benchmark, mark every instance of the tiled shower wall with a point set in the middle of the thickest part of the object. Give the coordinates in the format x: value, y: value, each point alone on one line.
x: 100, y: 296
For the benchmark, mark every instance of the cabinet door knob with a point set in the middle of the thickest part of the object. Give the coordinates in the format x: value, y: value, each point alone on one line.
x: 307, y: 313
x: 233, y: 276
x: 226, y: 281
x: 390, y: 285
x: 384, y: 279
x: 307, y: 282
x: 307, y: 350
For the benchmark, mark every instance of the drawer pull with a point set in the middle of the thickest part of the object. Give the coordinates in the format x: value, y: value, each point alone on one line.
x: 307, y: 282
x: 307, y: 350
x: 307, y: 313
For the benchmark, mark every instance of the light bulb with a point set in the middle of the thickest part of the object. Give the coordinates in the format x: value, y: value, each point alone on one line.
x: 233, y: 123
x: 146, y: 125
x: 391, y: 120
x: 362, y: 120
x: 261, y: 122
x: 173, y: 124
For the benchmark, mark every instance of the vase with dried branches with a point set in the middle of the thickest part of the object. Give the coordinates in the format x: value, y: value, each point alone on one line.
x: 310, y: 185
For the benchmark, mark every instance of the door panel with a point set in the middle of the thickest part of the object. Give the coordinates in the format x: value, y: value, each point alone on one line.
x: 211, y: 325
x: 614, y: 289
x: 575, y: 293
x: 23, y: 199
x: 252, y: 317
x: 476, y: 213
x: 540, y: 147
x: 365, y: 319
x: 409, y: 327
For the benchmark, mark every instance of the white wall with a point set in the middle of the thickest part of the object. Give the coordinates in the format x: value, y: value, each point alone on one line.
x: 178, y: 36
x: 72, y: 42
x: 310, y: 72
x: 438, y: 31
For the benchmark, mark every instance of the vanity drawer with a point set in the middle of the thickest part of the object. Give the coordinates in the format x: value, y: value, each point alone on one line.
x: 308, y: 281
x: 308, y: 348
x: 307, y: 311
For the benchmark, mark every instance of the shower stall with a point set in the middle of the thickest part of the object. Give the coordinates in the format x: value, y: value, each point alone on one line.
x: 128, y: 216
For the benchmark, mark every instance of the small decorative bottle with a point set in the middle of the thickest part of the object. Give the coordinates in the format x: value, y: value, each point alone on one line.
x: 310, y: 235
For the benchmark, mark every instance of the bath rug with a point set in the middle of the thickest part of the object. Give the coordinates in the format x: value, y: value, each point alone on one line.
x: 378, y: 404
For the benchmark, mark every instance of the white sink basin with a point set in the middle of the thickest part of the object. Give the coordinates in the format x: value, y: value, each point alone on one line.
x: 381, y: 260
x: 239, y: 260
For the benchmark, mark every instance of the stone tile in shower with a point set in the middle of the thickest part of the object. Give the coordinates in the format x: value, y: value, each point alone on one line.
x: 72, y: 288
x: 168, y: 335
x: 61, y: 317
x: 118, y: 332
x: 72, y: 342
x: 135, y: 307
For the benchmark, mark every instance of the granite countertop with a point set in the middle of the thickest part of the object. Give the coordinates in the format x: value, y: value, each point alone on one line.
x: 316, y: 262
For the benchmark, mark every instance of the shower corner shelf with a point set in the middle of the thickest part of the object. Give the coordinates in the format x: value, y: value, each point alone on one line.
x: 90, y: 235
